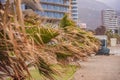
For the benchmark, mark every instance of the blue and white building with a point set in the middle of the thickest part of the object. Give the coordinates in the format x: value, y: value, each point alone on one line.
x: 55, y: 9
x: 74, y: 10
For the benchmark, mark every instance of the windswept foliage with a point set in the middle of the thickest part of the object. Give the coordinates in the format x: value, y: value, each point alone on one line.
x: 35, y: 45
x: 110, y: 35
x: 17, y: 51
x: 76, y: 43
x: 66, y: 21
x: 42, y: 35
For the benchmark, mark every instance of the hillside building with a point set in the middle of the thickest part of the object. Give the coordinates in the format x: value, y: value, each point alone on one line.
x: 110, y: 20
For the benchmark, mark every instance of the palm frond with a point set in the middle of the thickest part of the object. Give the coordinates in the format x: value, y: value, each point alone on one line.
x: 34, y: 4
x: 13, y: 63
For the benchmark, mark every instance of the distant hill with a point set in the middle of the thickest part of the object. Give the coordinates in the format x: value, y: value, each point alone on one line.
x: 90, y: 12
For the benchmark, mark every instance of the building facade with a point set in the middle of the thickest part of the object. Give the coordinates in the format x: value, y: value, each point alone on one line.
x: 74, y: 10
x: 54, y: 9
x: 110, y: 20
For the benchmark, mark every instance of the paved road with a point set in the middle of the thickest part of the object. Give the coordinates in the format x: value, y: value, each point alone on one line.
x: 99, y: 68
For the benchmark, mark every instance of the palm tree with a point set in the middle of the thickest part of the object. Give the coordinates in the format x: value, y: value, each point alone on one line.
x: 16, y: 50
x: 39, y: 46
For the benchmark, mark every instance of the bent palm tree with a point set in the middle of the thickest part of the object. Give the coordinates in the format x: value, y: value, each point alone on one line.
x: 16, y: 50
x: 20, y: 50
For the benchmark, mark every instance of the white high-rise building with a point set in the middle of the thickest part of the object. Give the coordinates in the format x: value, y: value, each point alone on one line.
x: 119, y: 22
x: 74, y: 11
x: 110, y: 20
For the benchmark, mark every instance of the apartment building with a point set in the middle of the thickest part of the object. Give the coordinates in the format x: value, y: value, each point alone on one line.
x: 110, y: 20
x: 54, y: 9
x: 74, y: 10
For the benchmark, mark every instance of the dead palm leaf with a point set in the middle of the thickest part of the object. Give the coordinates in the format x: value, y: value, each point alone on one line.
x: 34, y: 4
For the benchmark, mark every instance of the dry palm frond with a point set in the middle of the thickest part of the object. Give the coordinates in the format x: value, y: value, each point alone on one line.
x: 74, y: 42
x: 12, y: 67
x: 42, y: 45
x: 42, y: 35
x: 34, y: 4
x: 14, y: 62
x: 45, y: 69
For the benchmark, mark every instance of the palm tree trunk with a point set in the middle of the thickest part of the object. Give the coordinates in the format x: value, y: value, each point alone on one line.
x: 19, y: 14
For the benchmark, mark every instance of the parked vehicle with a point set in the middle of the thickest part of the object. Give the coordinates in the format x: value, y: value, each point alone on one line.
x: 103, y: 50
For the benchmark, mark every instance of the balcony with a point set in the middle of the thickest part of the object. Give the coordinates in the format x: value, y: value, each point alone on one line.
x: 53, y: 19
x: 49, y: 10
x: 53, y: 3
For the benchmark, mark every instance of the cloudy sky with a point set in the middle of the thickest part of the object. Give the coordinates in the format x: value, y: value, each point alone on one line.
x: 112, y: 3
x: 106, y: 0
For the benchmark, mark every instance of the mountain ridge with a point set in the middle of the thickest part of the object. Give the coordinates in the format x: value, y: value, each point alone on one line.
x: 90, y: 12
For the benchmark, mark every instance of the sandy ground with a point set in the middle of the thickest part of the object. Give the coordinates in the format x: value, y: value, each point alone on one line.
x: 99, y: 68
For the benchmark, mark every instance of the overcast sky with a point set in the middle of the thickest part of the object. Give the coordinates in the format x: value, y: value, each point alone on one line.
x: 109, y: 1
x: 112, y: 3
